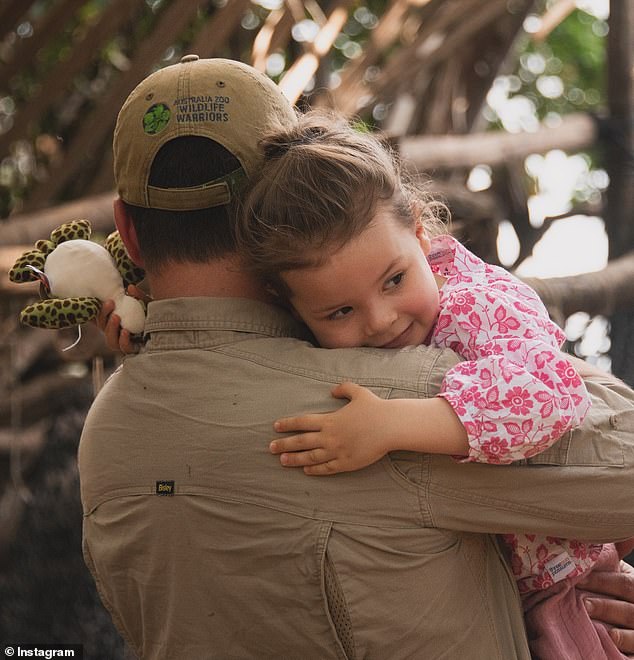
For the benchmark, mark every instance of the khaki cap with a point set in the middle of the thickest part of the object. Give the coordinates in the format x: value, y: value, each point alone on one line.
x: 221, y: 99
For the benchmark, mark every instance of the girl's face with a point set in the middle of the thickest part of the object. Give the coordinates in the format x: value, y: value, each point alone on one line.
x: 377, y: 290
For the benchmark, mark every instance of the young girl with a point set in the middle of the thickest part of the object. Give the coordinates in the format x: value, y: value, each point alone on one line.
x: 336, y: 234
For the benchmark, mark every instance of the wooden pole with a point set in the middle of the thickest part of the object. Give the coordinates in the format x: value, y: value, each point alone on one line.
x: 619, y: 155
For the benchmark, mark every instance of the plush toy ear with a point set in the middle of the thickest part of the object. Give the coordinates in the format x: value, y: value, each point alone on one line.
x: 53, y: 313
x: 70, y: 231
x: 130, y: 272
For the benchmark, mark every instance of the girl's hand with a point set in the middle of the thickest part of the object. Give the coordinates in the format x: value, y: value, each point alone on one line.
x: 118, y: 339
x: 349, y: 439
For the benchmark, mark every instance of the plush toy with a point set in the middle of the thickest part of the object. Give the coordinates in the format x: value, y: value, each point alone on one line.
x: 76, y: 275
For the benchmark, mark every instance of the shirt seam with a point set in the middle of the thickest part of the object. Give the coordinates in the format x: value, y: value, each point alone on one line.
x: 411, y: 385
x: 322, y: 517
x: 504, y: 505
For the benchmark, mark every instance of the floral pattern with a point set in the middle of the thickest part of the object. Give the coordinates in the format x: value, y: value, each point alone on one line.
x: 515, y: 393
x: 515, y: 382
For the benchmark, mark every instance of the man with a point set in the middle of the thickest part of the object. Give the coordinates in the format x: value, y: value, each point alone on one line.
x: 201, y: 545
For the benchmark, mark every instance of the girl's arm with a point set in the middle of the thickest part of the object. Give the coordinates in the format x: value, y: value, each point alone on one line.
x: 516, y: 393
x: 365, y: 429
x: 514, y: 396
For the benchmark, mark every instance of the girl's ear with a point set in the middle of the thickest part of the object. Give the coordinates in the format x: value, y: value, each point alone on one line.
x: 421, y: 234
x: 280, y: 301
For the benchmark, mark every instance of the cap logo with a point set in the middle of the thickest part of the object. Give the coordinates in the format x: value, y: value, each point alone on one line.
x: 203, y: 108
x: 156, y: 118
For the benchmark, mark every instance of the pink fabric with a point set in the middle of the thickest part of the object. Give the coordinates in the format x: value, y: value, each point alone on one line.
x: 558, y: 624
x: 515, y: 394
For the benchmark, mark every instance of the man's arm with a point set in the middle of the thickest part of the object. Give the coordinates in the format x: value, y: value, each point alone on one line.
x: 580, y: 488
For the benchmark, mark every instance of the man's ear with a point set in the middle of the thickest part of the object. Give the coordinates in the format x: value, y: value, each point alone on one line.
x: 125, y: 226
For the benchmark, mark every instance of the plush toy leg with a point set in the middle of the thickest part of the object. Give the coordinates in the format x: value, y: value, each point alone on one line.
x: 20, y: 273
x: 53, y: 313
x: 130, y: 272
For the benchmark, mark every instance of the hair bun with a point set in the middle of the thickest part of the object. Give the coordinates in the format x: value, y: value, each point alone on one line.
x: 278, y: 145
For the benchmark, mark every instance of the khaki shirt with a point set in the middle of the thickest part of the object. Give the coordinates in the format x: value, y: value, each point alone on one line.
x: 203, y: 546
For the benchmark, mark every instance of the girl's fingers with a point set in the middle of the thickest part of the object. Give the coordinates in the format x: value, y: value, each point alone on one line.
x: 346, y: 390
x: 303, y: 442
x: 138, y: 293
x: 303, y: 423
x: 112, y: 332
x: 322, y: 470
x: 126, y: 344
x: 310, y: 457
x: 102, y: 318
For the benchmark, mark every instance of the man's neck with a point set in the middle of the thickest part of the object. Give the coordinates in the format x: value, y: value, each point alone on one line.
x: 223, y: 278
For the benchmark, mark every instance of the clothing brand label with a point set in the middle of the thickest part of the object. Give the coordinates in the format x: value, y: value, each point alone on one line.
x: 164, y: 487
x: 560, y: 567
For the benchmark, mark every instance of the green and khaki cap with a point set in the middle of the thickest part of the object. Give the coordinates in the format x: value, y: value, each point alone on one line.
x: 221, y: 99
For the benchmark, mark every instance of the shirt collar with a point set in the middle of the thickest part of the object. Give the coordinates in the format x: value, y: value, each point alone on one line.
x: 448, y: 257
x: 182, y: 316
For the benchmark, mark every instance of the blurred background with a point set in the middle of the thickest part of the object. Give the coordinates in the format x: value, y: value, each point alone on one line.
x: 517, y: 113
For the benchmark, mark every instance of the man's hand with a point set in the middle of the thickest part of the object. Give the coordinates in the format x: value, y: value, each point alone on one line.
x: 616, y: 608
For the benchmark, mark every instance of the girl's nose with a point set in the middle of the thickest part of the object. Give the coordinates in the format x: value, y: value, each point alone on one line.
x: 379, y: 319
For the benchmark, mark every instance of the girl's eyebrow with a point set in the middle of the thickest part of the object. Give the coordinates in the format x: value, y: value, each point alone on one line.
x: 388, y: 269
x: 380, y: 278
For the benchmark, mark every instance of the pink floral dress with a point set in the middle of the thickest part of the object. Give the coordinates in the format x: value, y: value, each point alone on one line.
x: 515, y: 393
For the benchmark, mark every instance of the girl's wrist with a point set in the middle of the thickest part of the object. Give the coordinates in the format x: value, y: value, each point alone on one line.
x: 425, y: 425
x: 403, y: 431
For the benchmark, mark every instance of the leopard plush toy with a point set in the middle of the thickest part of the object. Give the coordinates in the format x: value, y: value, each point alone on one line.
x: 76, y: 275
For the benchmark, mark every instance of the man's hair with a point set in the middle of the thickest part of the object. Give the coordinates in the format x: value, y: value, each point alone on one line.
x: 180, y: 236
x: 322, y: 182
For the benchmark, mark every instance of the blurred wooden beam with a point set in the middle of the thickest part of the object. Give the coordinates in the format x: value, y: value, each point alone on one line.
x: 215, y: 33
x: 575, y: 132
x: 304, y: 68
x: 602, y: 292
x: 553, y: 16
x: 48, y: 28
x: 435, y: 44
x: 352, y: 76
x: 11, y: 12
x: 93, y: 130
x: 26, y: 228
x: 56, y: 83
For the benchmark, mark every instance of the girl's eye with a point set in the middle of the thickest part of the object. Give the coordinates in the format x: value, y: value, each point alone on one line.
x: 340, y: 313
x: 394, y: 281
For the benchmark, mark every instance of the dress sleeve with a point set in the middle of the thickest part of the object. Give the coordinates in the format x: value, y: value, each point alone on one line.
x: 516, y: 393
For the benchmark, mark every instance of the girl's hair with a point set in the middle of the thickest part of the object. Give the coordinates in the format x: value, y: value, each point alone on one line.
x: 321, y: 184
